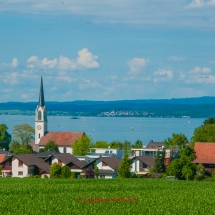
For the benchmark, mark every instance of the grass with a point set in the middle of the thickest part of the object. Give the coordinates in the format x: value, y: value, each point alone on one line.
x: 125, y: 196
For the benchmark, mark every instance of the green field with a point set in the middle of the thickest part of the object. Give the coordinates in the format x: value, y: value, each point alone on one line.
x: 126, y: 196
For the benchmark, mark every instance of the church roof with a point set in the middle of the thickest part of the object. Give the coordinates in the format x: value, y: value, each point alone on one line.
x: 41, y: 95
x: 61, y: 138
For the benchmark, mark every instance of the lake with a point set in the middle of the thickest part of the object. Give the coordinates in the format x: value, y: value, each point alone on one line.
x: 114, y: 128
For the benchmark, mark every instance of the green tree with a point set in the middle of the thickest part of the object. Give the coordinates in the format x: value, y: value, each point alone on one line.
x: 188, y: 171
x: 14, y: 145
x: 182, y: 167
x: 159, y: 166
x: 127, y: 146
x: 55, y: 170
x: 209, y: 121
x: 204, y: 133
x: 5, y: 137
x: 179, y: 140
x: 24, y: 133
x: 23, y: 150
x: 138, y: 144
x: 81, y: 146
x: 65, y: 172
x: 51, y: 146
x: 115, y: 145
x: 96, y: 170
x: 100, y: 144
x: 124, y: 167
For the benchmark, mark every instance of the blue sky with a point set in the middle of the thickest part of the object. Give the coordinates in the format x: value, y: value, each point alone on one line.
x: 107, y: 50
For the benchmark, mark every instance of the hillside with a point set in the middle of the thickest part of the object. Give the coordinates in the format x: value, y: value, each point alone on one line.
x: 193, y: 107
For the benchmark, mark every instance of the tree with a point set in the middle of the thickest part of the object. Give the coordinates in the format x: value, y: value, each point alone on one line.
x: 5, y: 137
x: 179, y: 140
x: 96, y: 170
x: 159, y: 166
x: 209, y: 121
x: 124, y: 167
x: 51, y: 146
x: 204, y: 133
x: 183, y: 168
x: 65, y: 172
x: 115, y: 145
x: 24, y: 133
x: 81, y: 146
x: 23, y: 150
x: 55, y: 170
x: 138, y: 144
x: 127, y: 147
x: 100, y: 144
x: 14, y: 145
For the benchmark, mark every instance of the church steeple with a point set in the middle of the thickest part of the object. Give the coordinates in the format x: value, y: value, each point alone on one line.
x: 41, y: 95
x: 40, y: 116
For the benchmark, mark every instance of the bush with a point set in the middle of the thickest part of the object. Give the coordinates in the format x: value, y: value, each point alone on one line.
x: 65, y: 172
x: 73, y: 175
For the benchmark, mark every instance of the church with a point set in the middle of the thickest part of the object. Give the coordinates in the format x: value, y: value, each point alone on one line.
x: 64, y: 140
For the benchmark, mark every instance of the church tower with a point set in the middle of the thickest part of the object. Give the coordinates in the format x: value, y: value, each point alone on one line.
x: 40, y: 116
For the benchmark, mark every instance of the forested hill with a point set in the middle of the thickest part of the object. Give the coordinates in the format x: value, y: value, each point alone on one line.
x: 185, y: 107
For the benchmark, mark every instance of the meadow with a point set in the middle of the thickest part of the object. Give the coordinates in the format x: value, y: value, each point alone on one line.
x: 117, y: 196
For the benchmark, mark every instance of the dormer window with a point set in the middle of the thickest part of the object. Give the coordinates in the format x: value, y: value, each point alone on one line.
x: 20, y: 163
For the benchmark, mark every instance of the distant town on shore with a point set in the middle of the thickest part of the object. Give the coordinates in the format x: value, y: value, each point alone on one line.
x: 201, y: 107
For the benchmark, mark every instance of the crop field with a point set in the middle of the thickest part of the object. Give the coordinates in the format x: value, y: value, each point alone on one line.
x: 125, y: 196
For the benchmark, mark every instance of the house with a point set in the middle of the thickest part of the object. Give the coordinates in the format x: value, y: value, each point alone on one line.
x: 66, y: 159
x: 2, y: 157
x: 64, y: 140
x: 7, y: 153
x: 44, y: 155
x: 24, y: 165
x: 152, y: 148
x: 141, y: 164
x: 107, y: 166
x: 105, y: 152
x: 205, y: 154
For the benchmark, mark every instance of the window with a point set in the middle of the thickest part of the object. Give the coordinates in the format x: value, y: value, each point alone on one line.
x: 20, y: 173
x: 111, y: 152
x: 39, y: 115
x: 64, y: 150
x: 107, y: 151
x: 20, y: 163
x: 39, y: 136
x: 60, y: 162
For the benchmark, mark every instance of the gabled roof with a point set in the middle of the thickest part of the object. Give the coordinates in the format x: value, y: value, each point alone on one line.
x: 205, y: 153
x: 112, y: 162
x: 67, y: 159
x: 46, y: 154
x: 30, y: 160
x: 154, y: 145
x: 61, y: 138
x: 148, y: 160
x: 2, y: 151
x: 2, y: 157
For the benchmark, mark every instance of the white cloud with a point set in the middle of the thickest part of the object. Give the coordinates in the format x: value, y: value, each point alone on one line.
x: 174, y: 58
x: 24, y: 96
x: 201, y: 3
x: 85, y: 59
x: 209, y: 79
x: 87, y: 84
x: 136, y: 64
x: 14, y: 63
x: 163, y: 75
x: 11, y: 78
x: 198, y: 70
x: 49, y: 63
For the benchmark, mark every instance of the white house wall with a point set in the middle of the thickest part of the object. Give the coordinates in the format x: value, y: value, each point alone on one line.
x: 16, y: 168
x: 68, y: 149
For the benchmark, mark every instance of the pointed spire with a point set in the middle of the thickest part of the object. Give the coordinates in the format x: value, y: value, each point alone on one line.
x: 41, y: 96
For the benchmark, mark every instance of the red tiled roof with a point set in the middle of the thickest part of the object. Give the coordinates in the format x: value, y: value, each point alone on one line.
x: 61, y: 138
x: 2, y: 157
x: 205, y: 153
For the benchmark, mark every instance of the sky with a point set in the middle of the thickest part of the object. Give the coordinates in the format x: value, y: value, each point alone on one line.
x: 106, y: 50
